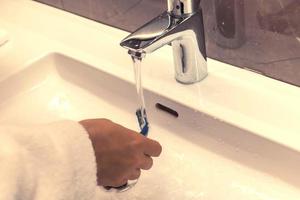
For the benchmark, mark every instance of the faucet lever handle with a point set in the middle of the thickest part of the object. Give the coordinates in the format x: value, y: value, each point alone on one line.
x: 183, y: 7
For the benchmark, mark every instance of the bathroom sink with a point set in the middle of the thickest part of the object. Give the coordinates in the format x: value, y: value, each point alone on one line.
x: 203, y: 157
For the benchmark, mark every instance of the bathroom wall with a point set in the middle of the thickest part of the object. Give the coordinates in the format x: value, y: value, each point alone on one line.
x: 259, y: 35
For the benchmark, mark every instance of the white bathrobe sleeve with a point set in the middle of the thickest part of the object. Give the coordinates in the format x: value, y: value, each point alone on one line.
x: 47, y: 162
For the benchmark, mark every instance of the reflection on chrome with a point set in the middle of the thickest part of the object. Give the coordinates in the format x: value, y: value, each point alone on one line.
x: 182, y: 27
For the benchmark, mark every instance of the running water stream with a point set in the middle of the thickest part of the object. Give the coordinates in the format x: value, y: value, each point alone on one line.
x: 141, y: 111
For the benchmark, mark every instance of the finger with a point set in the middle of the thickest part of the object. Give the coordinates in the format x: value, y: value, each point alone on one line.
x: 152, y: 148
x: 135, y: 174
x: 112, y: 183
x: 147, y: 163
x: 119, y: 183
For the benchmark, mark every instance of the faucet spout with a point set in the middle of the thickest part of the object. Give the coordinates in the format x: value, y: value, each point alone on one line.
x: 152, y: 35
x: 185, y: 32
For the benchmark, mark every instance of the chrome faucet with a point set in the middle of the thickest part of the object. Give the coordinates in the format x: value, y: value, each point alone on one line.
x: 182, y: 27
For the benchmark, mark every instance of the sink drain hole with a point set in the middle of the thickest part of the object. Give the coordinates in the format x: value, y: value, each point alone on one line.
x: 167, y: 110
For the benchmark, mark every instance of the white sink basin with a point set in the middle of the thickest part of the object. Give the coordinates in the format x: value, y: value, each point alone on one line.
x: 203, y: 158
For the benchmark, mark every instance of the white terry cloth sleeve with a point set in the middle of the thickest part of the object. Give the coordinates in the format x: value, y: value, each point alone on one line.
x: 47, y: 162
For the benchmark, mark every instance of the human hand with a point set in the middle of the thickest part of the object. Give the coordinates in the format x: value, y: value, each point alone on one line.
x: 120, y: 153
